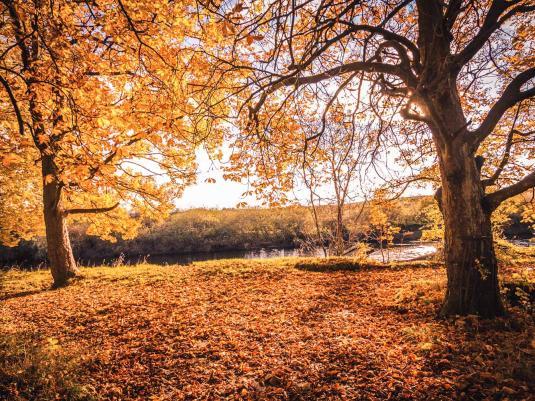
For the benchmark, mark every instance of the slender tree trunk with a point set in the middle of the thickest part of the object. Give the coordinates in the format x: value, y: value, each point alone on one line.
x: 469, y: 252
x: 339, y: 232
x: 60, y: 256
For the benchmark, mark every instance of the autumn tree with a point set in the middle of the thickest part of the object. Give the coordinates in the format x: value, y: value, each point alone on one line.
x: 458, y: 74
x: 334, y: 172
x: 93, y: 98
x: 381, y: 229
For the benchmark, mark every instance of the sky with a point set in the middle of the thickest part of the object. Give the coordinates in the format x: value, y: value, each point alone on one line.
x: 226, y: 194
x: 222, y: 194
x: 219, y: 195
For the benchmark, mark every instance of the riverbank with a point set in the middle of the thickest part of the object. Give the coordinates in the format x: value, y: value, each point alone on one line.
x: 273, y: 329
x: 393, y: 253
x: 202, y: 234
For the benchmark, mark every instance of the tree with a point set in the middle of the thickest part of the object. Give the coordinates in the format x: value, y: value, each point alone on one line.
x: 381, y: 229
x: 456, y: 71
x: 332, y: 173
x: 94, y: 94
x: 519, y: 209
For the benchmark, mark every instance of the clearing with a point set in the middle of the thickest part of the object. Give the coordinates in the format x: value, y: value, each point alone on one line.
x: 283, y: 329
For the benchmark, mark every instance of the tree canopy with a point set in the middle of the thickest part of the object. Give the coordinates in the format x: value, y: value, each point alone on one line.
x: 95, y: 89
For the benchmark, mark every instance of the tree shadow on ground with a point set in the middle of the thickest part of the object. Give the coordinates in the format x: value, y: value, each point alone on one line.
x: 486, y: 359
x: 335, y: 264
x: 12, y: 295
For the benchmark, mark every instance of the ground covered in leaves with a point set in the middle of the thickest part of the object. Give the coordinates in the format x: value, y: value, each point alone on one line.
x: 268, y: 330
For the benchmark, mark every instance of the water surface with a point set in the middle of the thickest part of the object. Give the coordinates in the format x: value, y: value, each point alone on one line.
x: 403, y: 252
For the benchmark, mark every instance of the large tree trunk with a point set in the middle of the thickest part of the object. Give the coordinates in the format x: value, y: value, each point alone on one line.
x: 469, y: 252
x: 471, y: 263
x: 60, y: 256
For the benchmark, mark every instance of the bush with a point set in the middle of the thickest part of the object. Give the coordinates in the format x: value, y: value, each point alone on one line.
x: 511, y: 254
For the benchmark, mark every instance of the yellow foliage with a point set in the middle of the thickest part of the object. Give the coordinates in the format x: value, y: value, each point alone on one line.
x: 98, y: 102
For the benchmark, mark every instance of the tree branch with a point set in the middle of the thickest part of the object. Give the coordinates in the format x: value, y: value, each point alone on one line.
x: 94, y: 170
x: 491, y: 23
x: 112, y: 73
x: 506, y: 154
x: 494, y: 199
x: 511, y: 96
x: 388, y: 35
x: 137, y: 32
x: 19, y: 33
x: 14, y: 103
x: 294, y: 80
x: 344, y: 69
x: 452, y: 12
x: 90, y: 210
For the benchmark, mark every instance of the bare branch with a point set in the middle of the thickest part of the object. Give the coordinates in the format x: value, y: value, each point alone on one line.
x: 494, y: 199
x: 493, y: 21
x: 388, y: 35
x: 366, y: 66
x: 506, y: 154
x: 511, y: 96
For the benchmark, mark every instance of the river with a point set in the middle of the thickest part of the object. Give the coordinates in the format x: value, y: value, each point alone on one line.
x: 394, y: 253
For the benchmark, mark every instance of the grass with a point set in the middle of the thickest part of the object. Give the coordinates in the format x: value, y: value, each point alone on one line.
x: 510, y: 254
x: 255, y: 329
x: 31, y: 369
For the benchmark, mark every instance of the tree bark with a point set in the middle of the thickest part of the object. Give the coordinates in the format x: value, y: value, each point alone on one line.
x: 471, y: 264
x: 60, y: 256
x: 339, y: 231
x: 469, y: 251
